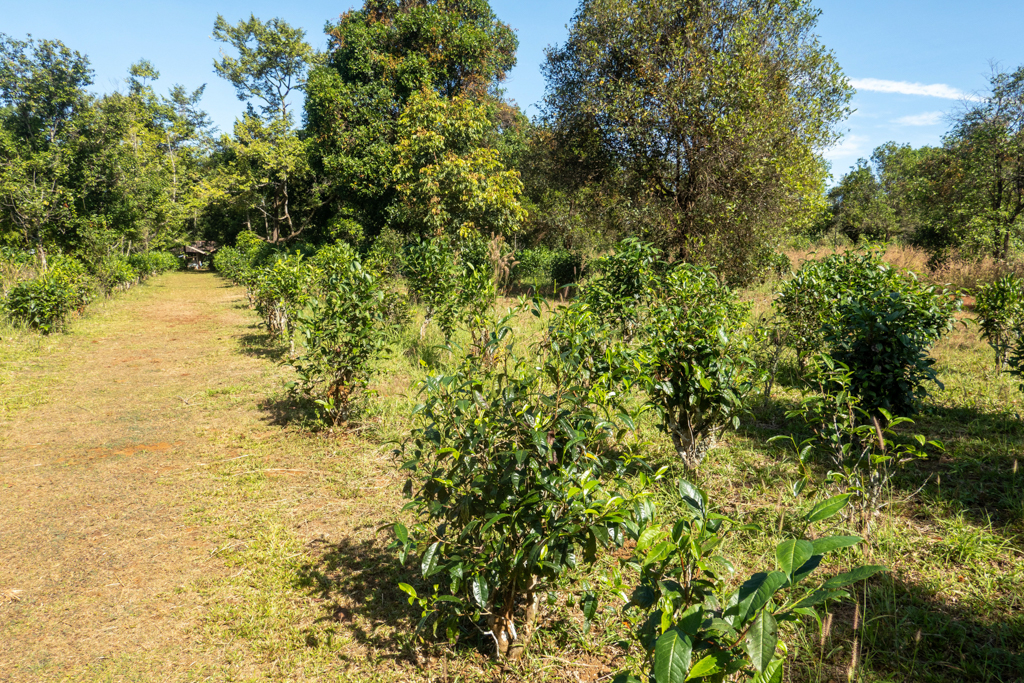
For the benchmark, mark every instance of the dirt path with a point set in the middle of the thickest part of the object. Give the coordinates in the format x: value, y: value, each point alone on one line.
x: 109, y: 438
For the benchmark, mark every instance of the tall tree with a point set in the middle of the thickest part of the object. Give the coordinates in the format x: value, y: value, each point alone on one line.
x: 42, y: 88
x: 448, y: 180
x: 381, y: 56
x: 266, y: 158
x: 880, y: 198
x: 272, y: 61
x: 714, y: 110
x: 979, y: 183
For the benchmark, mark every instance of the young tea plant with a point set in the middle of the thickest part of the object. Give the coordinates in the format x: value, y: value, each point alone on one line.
x: 876, y: 320
x: 674, y: 331
x: 344, y: 329
x: 858, y: 448
x: 47, y: 301
x: 688, y: 622
x: 1000, y: 309
x: 693, y: 359
x: 513, y: 482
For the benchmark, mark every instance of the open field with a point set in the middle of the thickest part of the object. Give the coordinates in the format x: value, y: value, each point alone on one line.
x: 164, y: 516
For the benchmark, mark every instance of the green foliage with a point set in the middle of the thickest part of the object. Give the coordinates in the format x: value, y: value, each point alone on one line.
x: 15, y: 265
x: 47, y: 301
x: 280, y: 290
x: 265, y: 176
x: 114, y: 273
x: 240, y: 262
x: 92, y: 175
x: 229, y: 262
x: 879, y: 199
x: 628, y: 282
x: 672, y: 330
x: 740, y: 77
x: 149, y: 263
x: 695, y: 367
x: 382, y: 56
x: 859, y: 448
x: 344, y: 329
x: 272, y: 61
x: 870, y: 317
x: 688, y: 620
x: 972, y: 186
x: 442, y: 275
x: 1000, y: 309
x: 514, y: 482
x: 448, y: 180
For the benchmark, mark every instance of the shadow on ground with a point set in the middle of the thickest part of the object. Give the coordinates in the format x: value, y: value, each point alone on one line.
x: 263, y: 345
x: 914, y: 634
x: 979, y: 472
x: 284, y: 409
x: 355, y: 583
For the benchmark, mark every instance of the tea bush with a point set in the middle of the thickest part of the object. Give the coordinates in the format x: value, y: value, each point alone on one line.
x: 15, y: 265
x: 542, y: 267
x: 47, y: 301
x: 280, y: 290
x: 149, y: 263
x: 875, y: 320
x: 626, y: 287
x: 344, y: 330
x: 694, y: 362
x: 513, y: 482
x: 859, y: 449
x: 452, y: 279
x: 673, y: 331
x: 230, y: 263
x: 114, y: 273
x: 1000, y: 308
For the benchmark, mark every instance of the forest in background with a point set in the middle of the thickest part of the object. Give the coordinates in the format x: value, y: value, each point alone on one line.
x: 699, y: 129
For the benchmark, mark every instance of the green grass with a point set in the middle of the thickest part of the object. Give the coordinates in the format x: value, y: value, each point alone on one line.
x: 309, y: 587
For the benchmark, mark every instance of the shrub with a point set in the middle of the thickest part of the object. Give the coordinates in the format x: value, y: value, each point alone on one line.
x: 513, y: 484
x: 693, y: 359
x: 149, y: 263
x: 566, y: 267
x: 1000, y: 309
x: 15, y: 265
x: 859, y: 448
x: 673, y: 330
x: 873, y: 319
x: 280, y: 290
x: 47, y: 301
x: 344, y: 331
x: 114, y: 273
x: 238, y: 263
x: 626, y: 286
x: 230, y: 263
x: 533, y: 266
x: 452, y: 279
x: 689, y: 622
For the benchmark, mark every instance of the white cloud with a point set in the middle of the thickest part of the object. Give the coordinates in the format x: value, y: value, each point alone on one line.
x: 851, y: 148
x: 905, y: 88
x: 929, y: 118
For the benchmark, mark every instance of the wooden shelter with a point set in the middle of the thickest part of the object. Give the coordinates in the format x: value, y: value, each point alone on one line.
x: 199, y: 253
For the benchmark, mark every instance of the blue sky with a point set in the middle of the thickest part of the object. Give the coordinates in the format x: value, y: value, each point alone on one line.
x: 912, y: 61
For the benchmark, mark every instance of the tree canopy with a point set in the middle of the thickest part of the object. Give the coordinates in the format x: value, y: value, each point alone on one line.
x: 380, y: 57
x: 714, y: 110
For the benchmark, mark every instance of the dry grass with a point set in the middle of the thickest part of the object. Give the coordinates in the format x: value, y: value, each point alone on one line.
x: 956, y: 272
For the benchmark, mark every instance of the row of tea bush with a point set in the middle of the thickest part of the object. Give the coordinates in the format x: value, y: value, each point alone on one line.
x: 45, y: 298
